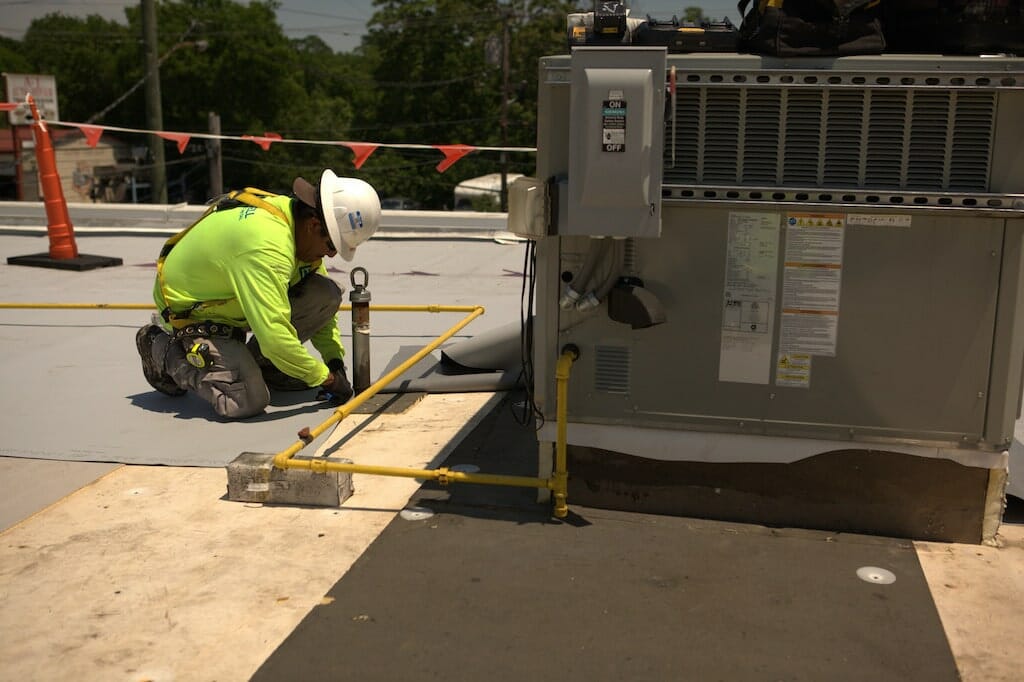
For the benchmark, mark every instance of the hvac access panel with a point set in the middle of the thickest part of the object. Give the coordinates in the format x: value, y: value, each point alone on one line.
x: 840, y: 254
x: 825, y: 323
x: 615, y: 142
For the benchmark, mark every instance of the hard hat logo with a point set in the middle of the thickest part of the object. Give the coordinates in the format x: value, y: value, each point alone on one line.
x: 355, y: 220
x: 351, y: 201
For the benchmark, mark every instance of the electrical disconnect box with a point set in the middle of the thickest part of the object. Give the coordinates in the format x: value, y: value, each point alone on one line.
x: 617, y: 109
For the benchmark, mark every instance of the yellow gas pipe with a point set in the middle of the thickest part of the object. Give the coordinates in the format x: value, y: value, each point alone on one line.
x: 557, y: 483
x: 560, y: 476
x: 282, y: 460
x: 150, y: 306
x: 80, y: 306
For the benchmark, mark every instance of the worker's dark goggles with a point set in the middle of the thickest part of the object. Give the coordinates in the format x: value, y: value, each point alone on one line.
x: 327, y: 237
x: 323, y: 222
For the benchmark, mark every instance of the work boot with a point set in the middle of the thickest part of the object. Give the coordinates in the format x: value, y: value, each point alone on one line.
x: 275, y: 379
x: 152, y: 368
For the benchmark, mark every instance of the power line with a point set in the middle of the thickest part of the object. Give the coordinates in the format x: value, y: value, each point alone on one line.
x: 11, y: 3
x: 198, y: 44
x: 288, y: 10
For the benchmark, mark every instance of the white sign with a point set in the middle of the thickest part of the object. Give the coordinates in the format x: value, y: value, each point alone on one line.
x: 898, y: 220
x: 43, y: 90
x: 751, y: 262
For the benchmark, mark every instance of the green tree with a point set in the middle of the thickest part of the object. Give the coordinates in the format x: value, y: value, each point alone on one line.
x: 694, y: 15
x: 12, y: 59
x: 90, y: 58
x: 437, y: 70
x: 256, y: 79
x: 428, y: 72
x: 249, y: 73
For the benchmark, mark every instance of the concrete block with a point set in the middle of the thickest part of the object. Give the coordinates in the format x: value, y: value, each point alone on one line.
x: 253, y: 478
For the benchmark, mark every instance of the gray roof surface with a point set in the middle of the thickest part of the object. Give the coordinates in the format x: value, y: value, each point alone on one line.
x: 111, y: 572
x: 79, y: 393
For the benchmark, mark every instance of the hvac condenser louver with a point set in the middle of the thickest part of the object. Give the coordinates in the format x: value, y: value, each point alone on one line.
x: 611, y: 369
x: 826, y: 134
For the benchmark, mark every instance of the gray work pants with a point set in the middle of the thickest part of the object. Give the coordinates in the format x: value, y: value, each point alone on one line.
x: 232, y: 381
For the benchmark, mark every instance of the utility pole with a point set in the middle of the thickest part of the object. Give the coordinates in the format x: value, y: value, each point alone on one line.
x: 154, y: 108
x: 505, y: 94
x: 214, y: 157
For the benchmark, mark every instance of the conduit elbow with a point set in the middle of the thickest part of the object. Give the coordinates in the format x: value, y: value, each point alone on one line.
x: 569, y: 298
x: 588, y: 302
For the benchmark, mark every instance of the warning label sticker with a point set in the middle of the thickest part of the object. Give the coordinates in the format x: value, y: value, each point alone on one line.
x: 811, y: 284
x: 793, y: 369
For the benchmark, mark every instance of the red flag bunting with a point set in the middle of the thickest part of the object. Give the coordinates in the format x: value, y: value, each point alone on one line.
x: 263, y: 141
x: 452, y: 153
x: 92, y: 134
x: 181, y: 138
x: 362, y: 152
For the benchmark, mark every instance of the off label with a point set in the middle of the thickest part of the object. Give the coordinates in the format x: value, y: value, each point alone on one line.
x: 613, y: 126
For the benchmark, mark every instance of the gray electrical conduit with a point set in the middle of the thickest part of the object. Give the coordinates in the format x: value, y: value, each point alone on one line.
x: 618, y: 263
x: 492, y: 360
x: 596, y: 254
x: 580, y: 284
x: 593, y: 298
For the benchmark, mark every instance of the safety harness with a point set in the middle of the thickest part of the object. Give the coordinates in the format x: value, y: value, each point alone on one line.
x: 249, y: 196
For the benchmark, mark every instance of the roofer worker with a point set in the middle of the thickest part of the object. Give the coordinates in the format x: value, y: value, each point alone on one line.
x: 254, y: 263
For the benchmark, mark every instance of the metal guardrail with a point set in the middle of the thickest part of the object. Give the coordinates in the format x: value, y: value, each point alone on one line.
x: 29, y: 217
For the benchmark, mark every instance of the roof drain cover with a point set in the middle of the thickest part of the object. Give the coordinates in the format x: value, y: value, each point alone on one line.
x: 873, y: 574
x: 416, y: 513
x: 465, y: 468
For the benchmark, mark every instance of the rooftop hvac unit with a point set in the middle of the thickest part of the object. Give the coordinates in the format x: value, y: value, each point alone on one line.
x: 837, y: 262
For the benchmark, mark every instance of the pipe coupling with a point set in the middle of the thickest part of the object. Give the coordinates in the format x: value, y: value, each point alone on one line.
x: 588, y: 302
x: 569, y: 298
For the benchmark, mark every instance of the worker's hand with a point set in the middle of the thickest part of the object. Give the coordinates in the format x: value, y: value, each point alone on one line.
x: 336, y: 388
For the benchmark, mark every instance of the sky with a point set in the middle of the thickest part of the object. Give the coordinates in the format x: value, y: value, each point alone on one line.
x: 339, y: 23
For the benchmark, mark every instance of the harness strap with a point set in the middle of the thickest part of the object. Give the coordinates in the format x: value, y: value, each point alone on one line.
x: 249, y: 196
x: 208, y: 330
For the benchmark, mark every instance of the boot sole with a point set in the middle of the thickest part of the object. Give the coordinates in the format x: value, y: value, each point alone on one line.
x: 161, y: 381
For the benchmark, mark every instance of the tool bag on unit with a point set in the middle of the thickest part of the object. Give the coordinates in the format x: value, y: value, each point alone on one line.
x: 968, y: 27
x: 811, y: 28
x: 681, y: 37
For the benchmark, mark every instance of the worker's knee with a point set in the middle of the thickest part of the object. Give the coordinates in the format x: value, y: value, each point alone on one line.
x: 314, y: 302
x: 317, y: 291
x: 327, y: 290
x: 241, y: 400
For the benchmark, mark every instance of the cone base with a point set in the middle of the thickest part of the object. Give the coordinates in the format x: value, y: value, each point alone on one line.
x: 82, y: 261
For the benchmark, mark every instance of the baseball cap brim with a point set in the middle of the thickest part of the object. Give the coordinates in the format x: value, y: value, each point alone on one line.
x: 305, y: 192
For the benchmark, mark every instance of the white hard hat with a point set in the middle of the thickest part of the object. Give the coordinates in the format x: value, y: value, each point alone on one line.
x: 350, y: 209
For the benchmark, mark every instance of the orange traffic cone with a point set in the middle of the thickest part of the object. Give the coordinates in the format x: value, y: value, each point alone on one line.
x: 63, y: 252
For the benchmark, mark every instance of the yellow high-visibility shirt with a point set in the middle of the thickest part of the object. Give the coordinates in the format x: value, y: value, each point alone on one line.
x: 239, y: 263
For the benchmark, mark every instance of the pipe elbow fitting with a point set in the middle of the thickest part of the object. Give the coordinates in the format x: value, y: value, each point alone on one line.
x: 588, y: 302
x: 568, y: 299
